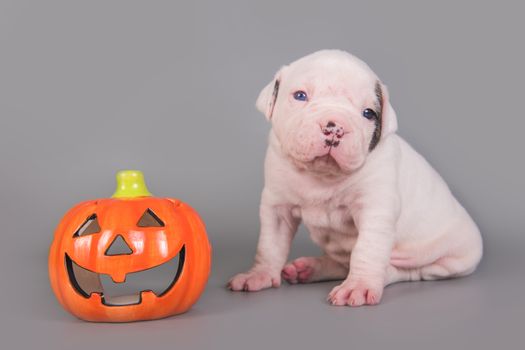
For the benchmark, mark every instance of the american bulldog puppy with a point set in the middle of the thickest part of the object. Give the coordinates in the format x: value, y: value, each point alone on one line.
x: 380, y: 213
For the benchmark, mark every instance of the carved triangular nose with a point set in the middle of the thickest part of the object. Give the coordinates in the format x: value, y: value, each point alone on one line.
x: 119, y: 247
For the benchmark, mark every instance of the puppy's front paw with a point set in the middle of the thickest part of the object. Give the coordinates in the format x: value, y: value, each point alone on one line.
x: 254, y: 280
x: 356, y: 292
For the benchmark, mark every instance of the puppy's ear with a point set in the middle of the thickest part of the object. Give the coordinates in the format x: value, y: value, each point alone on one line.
x: 388, y: 115
x: 268, y: 96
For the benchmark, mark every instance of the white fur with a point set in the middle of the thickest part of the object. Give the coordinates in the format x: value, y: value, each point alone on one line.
x: 380, y: 216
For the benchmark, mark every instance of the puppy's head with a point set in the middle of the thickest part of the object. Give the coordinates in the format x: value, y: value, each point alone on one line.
x: 328, y: 111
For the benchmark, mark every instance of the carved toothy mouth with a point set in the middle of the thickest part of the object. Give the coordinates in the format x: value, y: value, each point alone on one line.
x: 159, y: 279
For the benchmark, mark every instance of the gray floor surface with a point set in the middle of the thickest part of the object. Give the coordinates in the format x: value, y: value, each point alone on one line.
x: 482, y: 311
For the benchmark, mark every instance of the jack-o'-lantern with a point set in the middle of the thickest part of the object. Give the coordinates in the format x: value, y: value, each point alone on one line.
x: 122, y: 238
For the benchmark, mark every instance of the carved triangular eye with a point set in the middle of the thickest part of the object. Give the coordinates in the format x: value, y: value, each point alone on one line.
x: 89, y: 226
x: 150, y: 219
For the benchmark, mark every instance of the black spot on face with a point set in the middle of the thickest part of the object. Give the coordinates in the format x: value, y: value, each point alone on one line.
x: 274, y: 95
x: 331, y: 143
x: 376, y: 136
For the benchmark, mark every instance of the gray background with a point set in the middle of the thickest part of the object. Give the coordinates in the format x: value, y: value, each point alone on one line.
x: 88, y: 88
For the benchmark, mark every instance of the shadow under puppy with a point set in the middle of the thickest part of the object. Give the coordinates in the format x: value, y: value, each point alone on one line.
x: 380, y: 213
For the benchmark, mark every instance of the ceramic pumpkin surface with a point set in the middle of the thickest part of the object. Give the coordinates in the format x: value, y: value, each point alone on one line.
x: 129, y: 237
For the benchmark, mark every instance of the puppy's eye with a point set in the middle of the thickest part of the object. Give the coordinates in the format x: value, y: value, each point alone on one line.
x: 300, y: 96
x: 369, y: 114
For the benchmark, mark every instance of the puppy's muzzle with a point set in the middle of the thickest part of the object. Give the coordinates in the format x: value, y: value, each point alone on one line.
x: 334, y: 133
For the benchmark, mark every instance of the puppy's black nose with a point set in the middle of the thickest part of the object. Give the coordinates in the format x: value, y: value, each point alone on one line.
x: 332, y: 129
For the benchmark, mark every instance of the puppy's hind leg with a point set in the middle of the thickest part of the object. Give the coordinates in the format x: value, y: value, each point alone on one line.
x: 447, y: 262
x: 313, y: 269
x: 445, y: 267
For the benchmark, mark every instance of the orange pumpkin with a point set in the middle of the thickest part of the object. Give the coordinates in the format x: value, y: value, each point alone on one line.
x: 150, y: 233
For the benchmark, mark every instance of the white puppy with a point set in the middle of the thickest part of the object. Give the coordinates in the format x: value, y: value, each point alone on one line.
x: 378, y: 210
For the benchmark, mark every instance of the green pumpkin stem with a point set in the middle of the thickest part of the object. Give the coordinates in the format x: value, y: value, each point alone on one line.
x: 131, y: 184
